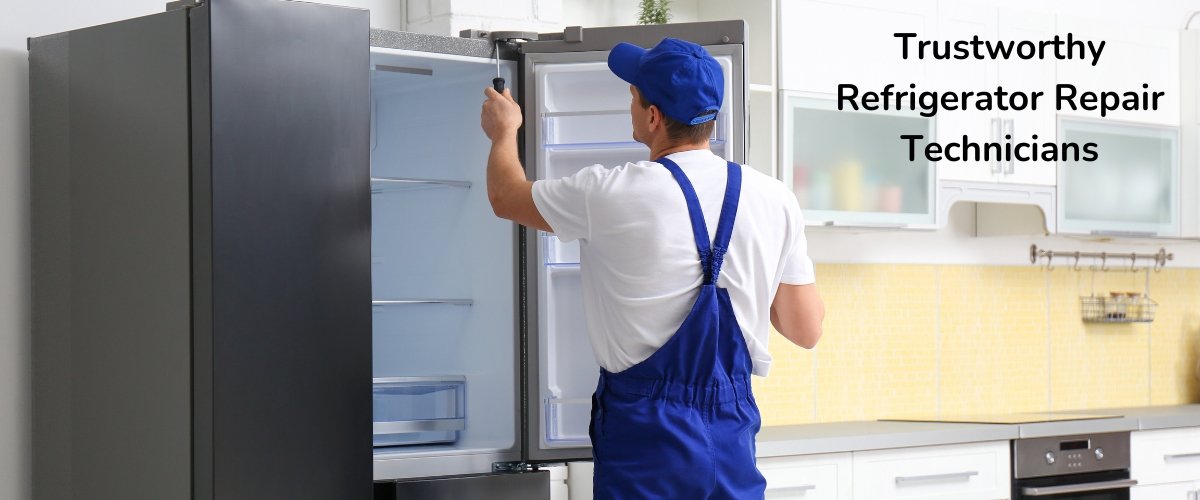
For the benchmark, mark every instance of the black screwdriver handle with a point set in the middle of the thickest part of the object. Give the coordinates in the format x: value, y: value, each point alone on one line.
x: 498, y: 84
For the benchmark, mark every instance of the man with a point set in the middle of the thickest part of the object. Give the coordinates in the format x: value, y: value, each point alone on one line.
x: 682, y: 258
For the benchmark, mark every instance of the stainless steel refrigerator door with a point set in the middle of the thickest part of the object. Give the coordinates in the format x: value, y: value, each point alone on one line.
x: 588, y: 124
x: 445, y: 284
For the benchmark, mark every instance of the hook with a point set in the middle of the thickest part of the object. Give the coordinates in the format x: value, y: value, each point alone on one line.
x: 1076, y: 265
x: 1133, y: 262
x: 1104, y: 262
x: 1049, y: 261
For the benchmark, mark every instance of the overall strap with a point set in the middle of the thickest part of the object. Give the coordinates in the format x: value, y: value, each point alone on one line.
x: 733, y: 192
x: 711, y: 257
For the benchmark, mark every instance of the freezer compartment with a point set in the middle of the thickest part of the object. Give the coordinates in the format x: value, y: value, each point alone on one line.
x: 419, y: 410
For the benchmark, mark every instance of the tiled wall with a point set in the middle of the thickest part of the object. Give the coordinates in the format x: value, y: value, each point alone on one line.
x: 928, y: 339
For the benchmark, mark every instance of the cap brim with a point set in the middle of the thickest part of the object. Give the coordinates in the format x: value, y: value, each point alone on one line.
x: 624, y: 60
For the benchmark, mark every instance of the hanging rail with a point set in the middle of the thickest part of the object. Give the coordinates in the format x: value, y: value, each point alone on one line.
x: 1158, y: 259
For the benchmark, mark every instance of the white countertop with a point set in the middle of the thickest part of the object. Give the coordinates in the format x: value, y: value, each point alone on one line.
x: 834, y: 437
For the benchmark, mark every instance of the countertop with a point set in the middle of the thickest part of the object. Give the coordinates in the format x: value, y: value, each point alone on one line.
x: 835, y: 437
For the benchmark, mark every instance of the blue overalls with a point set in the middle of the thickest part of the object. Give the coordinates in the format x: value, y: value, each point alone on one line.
x: 681, y: 424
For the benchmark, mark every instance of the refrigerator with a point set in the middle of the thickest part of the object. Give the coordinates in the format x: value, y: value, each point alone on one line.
x: 265, y: 264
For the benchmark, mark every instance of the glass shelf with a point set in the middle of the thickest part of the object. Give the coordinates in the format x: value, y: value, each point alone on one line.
x: 386, y: 184
x: 400, y: 302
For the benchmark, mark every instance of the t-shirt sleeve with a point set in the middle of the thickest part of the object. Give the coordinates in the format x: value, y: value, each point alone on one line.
x: 797, y: 266
x: 564, y: 202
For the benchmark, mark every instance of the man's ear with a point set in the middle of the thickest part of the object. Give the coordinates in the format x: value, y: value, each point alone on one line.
x: 656, y: 118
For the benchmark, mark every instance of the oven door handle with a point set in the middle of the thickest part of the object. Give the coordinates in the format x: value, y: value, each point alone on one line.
x: 1041, y: 491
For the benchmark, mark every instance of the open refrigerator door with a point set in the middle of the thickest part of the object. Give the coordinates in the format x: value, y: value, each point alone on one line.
x: 445, y: 347
x: 577, y: 114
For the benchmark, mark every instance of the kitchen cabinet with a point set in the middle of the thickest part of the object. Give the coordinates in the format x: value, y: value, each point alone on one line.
x: 851, y: 168
x: 823, y: 44
x: 1132, y: 56
x: 961, y: 22
x: 1166, y: 463
x: 809, y: 477
x: 1185, y: 490
x: 975, y: 470
x: 274, y: 230
x: 1133, y: 186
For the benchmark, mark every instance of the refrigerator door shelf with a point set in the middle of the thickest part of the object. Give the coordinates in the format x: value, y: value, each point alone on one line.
x: 567, y: 422
x: 419, y: 410
x: 557, y: 253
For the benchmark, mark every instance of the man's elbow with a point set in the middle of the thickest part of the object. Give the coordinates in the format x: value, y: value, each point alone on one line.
x: 809, y: 338
x: 500, y: 204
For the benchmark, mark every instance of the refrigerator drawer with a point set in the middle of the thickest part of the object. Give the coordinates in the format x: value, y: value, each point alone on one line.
x: 419, y: 410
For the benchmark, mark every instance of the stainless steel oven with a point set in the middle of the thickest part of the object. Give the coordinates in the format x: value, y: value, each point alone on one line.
x: 1083, y: 467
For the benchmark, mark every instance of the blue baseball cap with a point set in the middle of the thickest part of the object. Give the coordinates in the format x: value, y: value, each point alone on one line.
x: 679, y: 77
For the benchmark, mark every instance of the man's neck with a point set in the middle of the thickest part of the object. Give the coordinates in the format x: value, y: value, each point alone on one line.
x: 661, y: 151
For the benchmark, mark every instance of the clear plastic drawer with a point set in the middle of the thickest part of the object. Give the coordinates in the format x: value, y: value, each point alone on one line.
x: 419, y: 410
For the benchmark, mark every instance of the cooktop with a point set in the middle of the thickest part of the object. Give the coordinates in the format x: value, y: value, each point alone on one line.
x: 1003, y: 418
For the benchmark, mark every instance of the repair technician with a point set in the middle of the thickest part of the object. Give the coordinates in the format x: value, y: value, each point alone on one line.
x: 685, y: 259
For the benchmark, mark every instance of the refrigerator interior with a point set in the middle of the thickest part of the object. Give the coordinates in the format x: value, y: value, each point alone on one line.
x: 442, y: 265
x: 583, y: 119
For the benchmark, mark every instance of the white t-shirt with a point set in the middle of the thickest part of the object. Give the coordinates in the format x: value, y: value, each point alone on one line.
x: 640, y: 268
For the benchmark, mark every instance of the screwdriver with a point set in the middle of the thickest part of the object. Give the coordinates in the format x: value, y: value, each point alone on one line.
x: 498, y: 82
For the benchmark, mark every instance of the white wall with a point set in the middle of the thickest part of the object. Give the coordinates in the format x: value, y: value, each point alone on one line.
x: 20, y: 19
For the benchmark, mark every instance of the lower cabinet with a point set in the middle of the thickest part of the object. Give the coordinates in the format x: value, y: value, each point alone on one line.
x: 1166, y: 464
x: 972, y: 471
x: 1170, y: 491
x: 966, y: 471
x: 808, y: 477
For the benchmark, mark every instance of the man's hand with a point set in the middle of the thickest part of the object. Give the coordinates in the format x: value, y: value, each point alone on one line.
x: 501, y: 116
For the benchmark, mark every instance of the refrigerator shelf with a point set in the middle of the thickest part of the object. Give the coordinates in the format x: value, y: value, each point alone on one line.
x: 398, y: 302
x: 599, y: 112
x: 386, y: 184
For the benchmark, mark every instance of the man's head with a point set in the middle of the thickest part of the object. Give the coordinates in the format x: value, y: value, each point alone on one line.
x: 676, y: 89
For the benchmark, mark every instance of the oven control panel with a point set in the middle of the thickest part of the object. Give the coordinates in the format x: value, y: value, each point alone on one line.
x: 1049, y: 456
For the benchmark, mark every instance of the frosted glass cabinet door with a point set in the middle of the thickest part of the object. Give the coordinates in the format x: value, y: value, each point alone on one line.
x: 852, y: 168
x: 1131, y: 188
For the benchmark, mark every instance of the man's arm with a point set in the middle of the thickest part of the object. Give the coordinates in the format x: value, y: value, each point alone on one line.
x: 797, y: 313
x: 510, y: 193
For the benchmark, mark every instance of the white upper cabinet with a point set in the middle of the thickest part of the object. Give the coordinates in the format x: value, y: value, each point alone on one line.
x: 959, y: 21
x: 823, y: 44
x: 1133, y: 56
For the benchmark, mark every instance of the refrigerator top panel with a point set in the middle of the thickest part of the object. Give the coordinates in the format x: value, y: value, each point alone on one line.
x: 576, y: 39
x: 435, y: 44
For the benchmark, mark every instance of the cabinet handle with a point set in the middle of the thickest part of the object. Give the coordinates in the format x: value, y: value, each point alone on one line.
x: 1011, y: 131
x: 902, y: 480
x: 1180, y: 456
x: 997, y: 134
x: 801, y: 489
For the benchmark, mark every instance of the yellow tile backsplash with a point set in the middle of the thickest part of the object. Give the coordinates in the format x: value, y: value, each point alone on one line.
x: 904, y: 340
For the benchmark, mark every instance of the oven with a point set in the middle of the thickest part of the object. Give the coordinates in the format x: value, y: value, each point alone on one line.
x: 1082, y: 467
